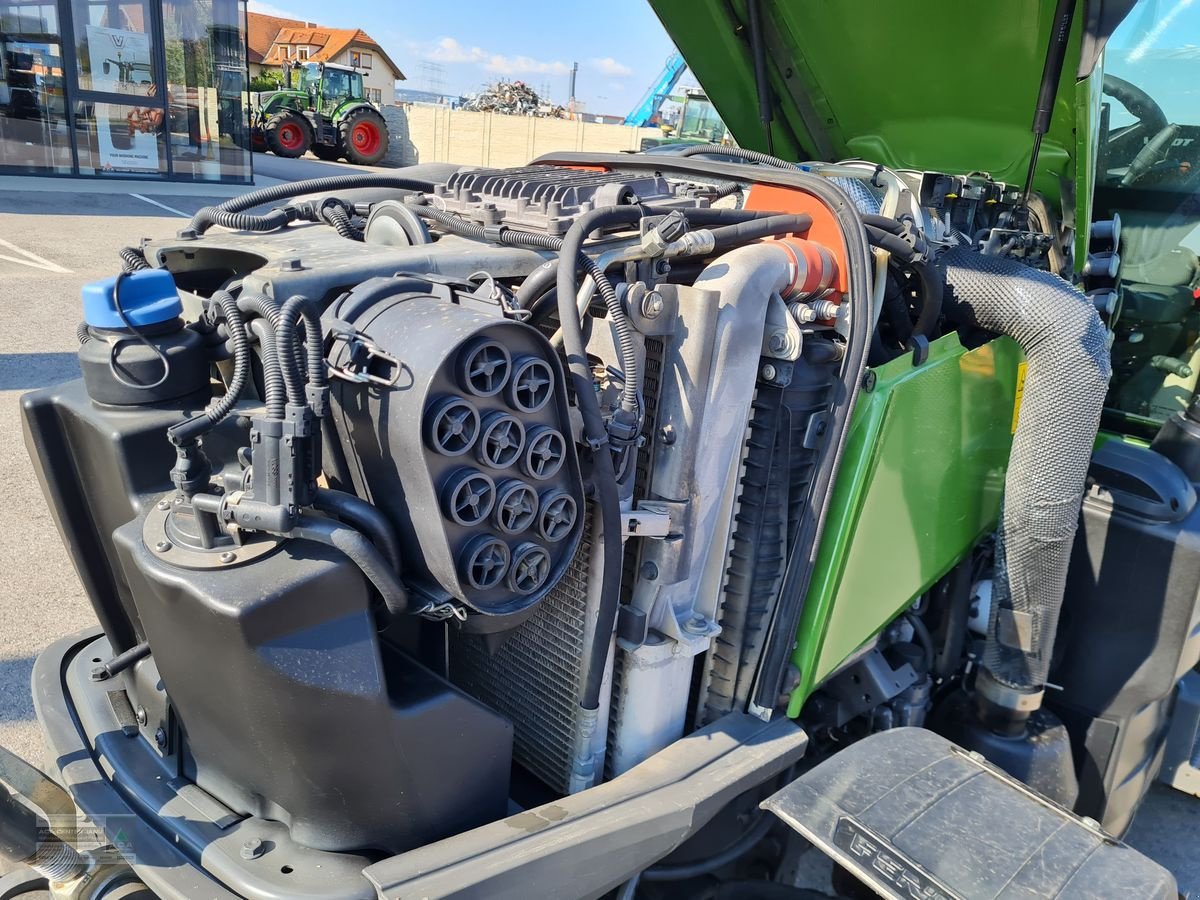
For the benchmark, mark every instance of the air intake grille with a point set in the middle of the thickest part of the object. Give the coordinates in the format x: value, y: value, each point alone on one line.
x: 536, y: 676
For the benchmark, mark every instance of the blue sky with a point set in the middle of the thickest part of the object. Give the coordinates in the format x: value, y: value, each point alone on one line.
x: 619, y: 44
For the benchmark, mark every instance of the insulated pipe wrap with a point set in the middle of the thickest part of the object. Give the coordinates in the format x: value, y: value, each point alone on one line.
x: 1066, y: 349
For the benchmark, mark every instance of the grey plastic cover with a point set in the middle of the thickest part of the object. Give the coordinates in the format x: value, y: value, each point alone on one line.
x: 913, y: 815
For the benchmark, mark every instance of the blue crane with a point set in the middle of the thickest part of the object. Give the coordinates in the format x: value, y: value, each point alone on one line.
x: 648, y: 107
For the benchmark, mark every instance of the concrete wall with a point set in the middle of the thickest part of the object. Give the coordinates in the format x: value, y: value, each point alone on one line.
x: 438, y: 134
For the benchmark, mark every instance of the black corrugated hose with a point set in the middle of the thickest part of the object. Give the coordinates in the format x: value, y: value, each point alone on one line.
x: 296, y: 308
x: 274, y: 391
x: 133, y: 260
x: 225, y: 213
x: 764, y: 159
x: 196, y: 426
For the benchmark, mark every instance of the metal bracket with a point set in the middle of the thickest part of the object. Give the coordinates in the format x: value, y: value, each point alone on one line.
x: 782, y: 336
x: 649, y: 520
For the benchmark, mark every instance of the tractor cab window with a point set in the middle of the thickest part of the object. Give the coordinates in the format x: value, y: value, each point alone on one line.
x: 337, y: 84
x: 310, y: 76
x: 1148, y: 172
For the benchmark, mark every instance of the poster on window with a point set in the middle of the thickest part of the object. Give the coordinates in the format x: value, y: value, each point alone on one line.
x: 127, y: 135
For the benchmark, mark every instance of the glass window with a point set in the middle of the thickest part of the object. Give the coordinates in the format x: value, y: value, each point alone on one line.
x: 302, y: 52
x: 114, y: 46
x: 34, y: 134
x: 120, y: 139
x: 206, y: 118
x: 360, y: 60
x: 1148, y: 171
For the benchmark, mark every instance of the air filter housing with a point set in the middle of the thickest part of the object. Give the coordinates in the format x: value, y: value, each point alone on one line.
x: 468, y: 449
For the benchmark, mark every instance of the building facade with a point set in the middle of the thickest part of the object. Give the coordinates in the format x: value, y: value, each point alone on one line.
x: 125, y: 88
x: 275, y: 42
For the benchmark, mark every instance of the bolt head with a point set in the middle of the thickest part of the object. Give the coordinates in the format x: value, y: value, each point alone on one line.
x: 777, y: 342
x: 98, y: 673
x: 162, y: 546
x: 667, y: 435
x: 227, y: 557
x: 769, y: 372
x: 291, y: 264
x: 697, y: 624
x: 252, y: 849
x: 649, y: 571
x: 160, y: 737
x: 652, y: 305
x: 142, y: 717
x: 164, y: 504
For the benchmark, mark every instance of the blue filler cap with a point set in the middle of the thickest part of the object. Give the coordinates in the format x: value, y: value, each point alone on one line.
x: 147, y: 297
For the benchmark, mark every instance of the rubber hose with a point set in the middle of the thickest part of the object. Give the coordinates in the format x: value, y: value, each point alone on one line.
x: 198, y: 425
x: 82, y: 334
x: 924, y: 639
x: 740, y: 153
x: 572, y: 248
x: 893, y: 244
x: 604, y: 476
x: 364, y: 516
x: 360, y: 551
x: 205, y: 218
x: 932, y: 290
x: 133, y: 260
x: 274, y: 390
x: 883, y: 223
x: 732, y: 235
x: 734, y: 851
x: 1066, y: 351
x: 537, y: 283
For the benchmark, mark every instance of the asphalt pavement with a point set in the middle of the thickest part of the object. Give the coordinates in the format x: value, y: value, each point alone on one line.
x: 56, y: 235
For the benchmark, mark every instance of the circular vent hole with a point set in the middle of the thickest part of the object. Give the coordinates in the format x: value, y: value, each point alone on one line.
x: 545, y: 453
x: 532, y: 384
x: 530, y: 568
x: 557, y: 517
x: 501, y: 441
x: 516, y: 507
x: 485, y: 562
x: 483, y: 368
x: 453, y: 427
x: 468, y: 497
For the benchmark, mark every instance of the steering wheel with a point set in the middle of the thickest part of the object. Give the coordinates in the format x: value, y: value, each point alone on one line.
x: 1151, y: 120
x: 1156, y: 148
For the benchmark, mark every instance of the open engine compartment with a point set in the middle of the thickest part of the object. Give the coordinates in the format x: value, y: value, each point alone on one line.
x: 419, y: 501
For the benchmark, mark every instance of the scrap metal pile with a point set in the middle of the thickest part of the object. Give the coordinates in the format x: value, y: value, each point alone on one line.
x: 513, y: 98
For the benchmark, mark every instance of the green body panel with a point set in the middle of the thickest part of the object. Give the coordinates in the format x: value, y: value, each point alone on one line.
x: 937, y: 85
x: 346, y: 107
x: 281, y: 100
x: 920, y: 484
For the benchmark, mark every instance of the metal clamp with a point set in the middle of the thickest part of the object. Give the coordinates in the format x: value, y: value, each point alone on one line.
x: 362, y: 352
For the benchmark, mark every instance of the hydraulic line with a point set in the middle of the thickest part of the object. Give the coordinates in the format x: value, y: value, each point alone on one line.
x: 753, y: 229
x: 225, y: 214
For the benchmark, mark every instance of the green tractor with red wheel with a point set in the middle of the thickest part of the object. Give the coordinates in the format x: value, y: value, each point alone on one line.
x: 327, y: 113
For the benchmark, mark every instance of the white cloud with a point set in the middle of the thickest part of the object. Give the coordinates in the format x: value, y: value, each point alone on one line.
x: 449, y: 51
x: 610, y: 66
x: 268, y: 9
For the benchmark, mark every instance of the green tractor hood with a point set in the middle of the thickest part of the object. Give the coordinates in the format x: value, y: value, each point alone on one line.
x: 938, y: 85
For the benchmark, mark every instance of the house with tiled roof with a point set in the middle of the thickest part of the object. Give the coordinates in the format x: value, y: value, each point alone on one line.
x: 273, y: 41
